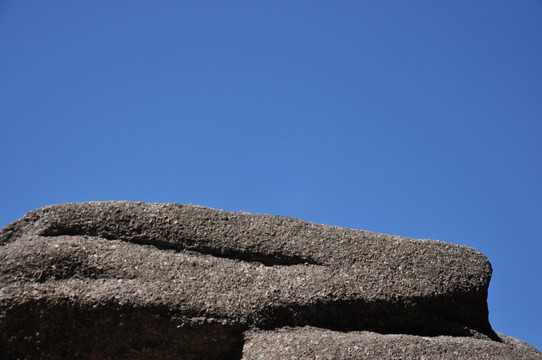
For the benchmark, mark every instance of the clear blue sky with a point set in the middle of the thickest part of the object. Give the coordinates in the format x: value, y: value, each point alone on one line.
x: 416, y: 118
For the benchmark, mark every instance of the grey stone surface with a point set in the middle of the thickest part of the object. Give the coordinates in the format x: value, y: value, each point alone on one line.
x: 133, y: 280
x: 315, y: 343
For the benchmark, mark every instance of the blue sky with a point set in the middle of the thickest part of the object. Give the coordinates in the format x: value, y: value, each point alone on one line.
x: 418, y: 118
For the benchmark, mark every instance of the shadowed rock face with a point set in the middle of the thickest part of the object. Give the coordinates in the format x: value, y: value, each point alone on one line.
x: 132, y: 280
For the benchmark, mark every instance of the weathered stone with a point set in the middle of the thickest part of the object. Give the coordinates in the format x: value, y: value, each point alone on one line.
x: 314, y: 343
x: 135, y: 280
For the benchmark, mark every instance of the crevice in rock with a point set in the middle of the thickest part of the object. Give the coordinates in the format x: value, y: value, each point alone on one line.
x: 267, y: 259
x: 401, y: 317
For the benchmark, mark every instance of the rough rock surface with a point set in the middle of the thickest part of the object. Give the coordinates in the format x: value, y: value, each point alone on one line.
x: 112, y: 280
x: 314, y: 343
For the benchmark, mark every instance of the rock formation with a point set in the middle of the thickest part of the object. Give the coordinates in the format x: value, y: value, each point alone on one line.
x: 123, y: 280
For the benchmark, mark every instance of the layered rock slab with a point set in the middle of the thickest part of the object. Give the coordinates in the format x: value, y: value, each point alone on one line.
x: 314, y: 343
x: 111, y: 279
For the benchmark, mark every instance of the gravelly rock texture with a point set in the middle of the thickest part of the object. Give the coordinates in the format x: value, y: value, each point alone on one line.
x: 112, y: 280
x: 314, y: 343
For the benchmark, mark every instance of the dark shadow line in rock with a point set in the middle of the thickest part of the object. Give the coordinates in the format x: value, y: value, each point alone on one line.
x: 403, y: 317
x: 461, y: 316
x: 254, y: 257
x: 275, y: 259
